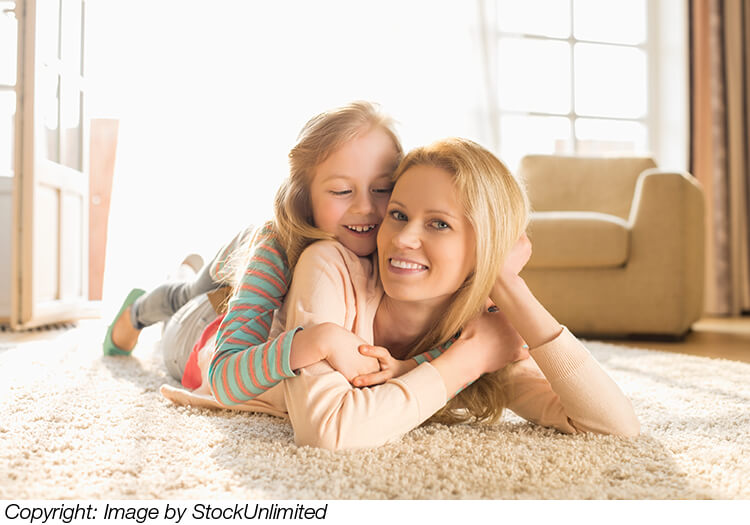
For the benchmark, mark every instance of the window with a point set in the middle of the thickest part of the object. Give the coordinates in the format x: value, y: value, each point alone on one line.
x: 572, y: 77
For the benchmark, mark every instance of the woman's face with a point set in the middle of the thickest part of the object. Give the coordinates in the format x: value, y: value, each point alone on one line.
x: 425, y: 244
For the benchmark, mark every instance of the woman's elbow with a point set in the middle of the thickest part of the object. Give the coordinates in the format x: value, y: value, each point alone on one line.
x: 314, y: 429
x: 626, y: 426
x: 629, y: 427
x: 316, y: 440
x: 332, y: 434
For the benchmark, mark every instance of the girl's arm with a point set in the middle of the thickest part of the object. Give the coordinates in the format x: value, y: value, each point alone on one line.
x: 245, y: 364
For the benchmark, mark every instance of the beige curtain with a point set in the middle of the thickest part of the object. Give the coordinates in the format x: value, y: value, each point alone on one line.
x: 720, y: 141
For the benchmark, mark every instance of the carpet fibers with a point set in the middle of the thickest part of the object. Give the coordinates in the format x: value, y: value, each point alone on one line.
x: 74, y: 424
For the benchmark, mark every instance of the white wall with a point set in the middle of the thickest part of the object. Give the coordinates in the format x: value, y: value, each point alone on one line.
x: 211, y: 96
x: 6, y: 194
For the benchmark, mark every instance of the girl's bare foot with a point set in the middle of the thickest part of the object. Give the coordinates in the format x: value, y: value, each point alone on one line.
x: 124, y: 334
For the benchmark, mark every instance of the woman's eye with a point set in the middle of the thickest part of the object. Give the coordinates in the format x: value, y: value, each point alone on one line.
x: 342, y: 192
x: 440, y: 225
x: 397, y: 215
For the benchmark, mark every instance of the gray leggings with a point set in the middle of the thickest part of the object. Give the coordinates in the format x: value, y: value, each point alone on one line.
x: 184, y: 308
x: 165, y: 300
x: 181, y: 332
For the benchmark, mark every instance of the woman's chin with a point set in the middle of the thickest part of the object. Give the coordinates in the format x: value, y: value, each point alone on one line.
x: 408, y: 293
x: 399, y: 293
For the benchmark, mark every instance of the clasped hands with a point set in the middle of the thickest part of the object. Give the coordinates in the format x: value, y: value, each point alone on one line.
x: 489, y: 341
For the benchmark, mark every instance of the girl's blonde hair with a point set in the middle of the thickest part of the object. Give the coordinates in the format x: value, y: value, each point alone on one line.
x: 319, y: 138
x: 498, y: 209
x: 293, y: 219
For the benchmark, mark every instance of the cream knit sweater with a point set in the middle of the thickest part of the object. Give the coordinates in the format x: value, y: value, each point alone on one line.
x: 560, y: 386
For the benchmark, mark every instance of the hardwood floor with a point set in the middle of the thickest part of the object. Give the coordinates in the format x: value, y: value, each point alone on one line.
x: 716, y: 337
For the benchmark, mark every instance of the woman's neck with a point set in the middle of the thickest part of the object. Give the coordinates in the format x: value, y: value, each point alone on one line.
x: 399, y: 325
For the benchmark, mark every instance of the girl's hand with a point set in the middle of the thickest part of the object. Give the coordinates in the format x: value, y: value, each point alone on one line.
x: 338, y: 346
x: 389, y: 366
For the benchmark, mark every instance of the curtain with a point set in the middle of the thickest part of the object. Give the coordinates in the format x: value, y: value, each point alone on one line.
x: 720, y: 140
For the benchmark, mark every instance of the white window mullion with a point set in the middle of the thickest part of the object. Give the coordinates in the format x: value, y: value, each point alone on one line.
x: 624, y: 120
x: 571, y: 43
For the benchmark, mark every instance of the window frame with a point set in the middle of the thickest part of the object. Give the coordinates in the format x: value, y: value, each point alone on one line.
x: 655, y: 48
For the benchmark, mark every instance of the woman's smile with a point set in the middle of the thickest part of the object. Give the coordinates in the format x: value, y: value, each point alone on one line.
x: 403, y: 266
x: 425, y: 243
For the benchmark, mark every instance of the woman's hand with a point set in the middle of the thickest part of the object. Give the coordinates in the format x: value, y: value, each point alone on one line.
x: 338, y: 346
x: 515, y: 261
x: 389, y: 366
x: 491, y: 341
x: 487, y: 343
x: 511, y: 294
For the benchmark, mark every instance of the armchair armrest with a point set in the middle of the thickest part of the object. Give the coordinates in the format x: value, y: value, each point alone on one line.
x: 667, y: 241
x: 657, y: 191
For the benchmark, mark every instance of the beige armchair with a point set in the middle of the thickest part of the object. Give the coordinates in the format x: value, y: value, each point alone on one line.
x: 617, y: 244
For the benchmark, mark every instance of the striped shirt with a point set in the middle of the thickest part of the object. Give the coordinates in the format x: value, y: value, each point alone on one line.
x: 246, y: 363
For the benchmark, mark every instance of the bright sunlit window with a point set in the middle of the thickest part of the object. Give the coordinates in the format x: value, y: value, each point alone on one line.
x: 574, y: 80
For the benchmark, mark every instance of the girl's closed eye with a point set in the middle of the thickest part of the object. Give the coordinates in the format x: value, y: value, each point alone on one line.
x: 340, y: 192
x: 383, y: 191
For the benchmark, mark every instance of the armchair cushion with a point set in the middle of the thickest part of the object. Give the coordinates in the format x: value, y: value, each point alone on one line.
x: 617, y: 244
x: 578, y: 239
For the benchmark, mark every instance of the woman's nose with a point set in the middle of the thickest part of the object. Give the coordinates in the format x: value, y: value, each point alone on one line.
x: 408, y: 237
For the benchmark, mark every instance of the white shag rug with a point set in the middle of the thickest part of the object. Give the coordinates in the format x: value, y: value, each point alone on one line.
x: 75, y: 424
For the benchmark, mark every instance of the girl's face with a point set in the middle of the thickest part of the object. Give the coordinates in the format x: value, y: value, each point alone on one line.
x: 350, y: 190
x: 426, y: 244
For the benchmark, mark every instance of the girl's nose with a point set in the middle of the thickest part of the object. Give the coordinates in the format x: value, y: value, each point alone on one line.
x: 362, y: 204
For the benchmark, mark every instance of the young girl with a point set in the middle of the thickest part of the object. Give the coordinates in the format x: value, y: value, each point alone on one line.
x: 452, y: 236
x: 338, y: 188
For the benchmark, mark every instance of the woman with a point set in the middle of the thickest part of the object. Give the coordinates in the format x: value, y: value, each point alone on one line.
x: 452, y: 236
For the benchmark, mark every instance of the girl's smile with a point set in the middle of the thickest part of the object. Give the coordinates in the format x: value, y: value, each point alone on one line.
x: 349, y: 190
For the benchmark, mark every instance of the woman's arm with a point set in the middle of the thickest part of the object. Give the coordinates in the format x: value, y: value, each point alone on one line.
x: 564, y: 387
x: 325, y: 410
x: 331, y: 286
x: 511, y: 295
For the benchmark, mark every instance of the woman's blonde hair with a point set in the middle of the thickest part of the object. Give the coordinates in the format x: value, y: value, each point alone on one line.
x: 498, y: 209
x: 319, y: 138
